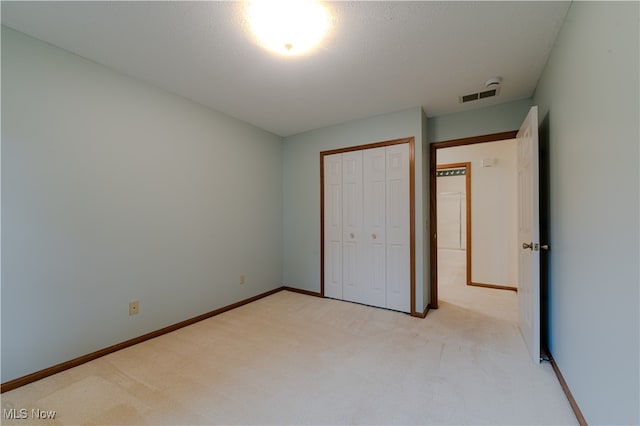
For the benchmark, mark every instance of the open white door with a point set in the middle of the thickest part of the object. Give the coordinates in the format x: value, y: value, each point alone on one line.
x: 529, y: 234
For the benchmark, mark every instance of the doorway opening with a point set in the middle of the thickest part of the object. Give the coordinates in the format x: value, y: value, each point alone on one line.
x: 453, y: 183
x: 456, y: 256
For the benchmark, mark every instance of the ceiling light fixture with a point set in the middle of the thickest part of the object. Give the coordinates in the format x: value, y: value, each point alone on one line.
x: 288, y: 27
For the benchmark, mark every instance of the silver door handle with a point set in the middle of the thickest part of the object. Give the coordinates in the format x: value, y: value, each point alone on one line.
x: 527, y: 246
x: 544, y: 246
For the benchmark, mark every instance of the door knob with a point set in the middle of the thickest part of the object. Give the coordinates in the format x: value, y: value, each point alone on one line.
x: 544, y: 246
x: 527, y: 246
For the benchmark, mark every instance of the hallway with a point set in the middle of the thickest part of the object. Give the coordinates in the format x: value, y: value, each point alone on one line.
x: 452, y: 289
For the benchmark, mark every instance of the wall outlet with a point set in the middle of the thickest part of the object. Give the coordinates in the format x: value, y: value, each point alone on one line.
x: 242, y: 279
x: 134, y: 307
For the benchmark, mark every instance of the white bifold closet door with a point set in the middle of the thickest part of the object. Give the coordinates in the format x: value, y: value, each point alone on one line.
x: 366, y: 229
x: 352, y: 241
x: 333, y: 226
x: 398, y: 240
x: 374, y: 263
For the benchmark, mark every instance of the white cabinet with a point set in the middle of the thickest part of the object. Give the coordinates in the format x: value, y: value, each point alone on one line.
x: 367, y: 226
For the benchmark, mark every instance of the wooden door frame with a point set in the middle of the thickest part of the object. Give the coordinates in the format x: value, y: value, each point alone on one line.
x: 412, y: 211
x: 433, y: 245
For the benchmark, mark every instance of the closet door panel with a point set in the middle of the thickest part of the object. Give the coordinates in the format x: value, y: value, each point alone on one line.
x: 374, y: 222
x: 366, y: 227
x: 398, y: 280
x: 352, y: 226
x: 333, y: 226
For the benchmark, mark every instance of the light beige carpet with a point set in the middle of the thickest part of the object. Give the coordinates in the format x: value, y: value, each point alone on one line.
x: 453, y: 288
x: 296, y: 359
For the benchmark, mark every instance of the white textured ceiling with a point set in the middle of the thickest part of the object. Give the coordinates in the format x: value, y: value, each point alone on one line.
x: 380, y: 57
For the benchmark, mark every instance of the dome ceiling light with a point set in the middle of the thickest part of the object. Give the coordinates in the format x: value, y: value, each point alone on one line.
x: 288, y: 27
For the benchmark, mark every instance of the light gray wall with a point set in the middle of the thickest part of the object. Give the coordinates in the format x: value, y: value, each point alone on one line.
x: 483, y: 121
x: 589, y: 91
x: 301, y: 183
x: 113, y: 190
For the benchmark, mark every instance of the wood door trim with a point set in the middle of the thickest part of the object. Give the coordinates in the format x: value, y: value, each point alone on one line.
x: 495, y: 286
x: 433, y: 222
x: 565, y: 387
x: 452, y: 166
x: 301, y: 291
x: 412, y: 230
x: 412, y: 214
x: 322, y: 224
x: 422, y: 314
x: 367, y: 146
x: 493, y: 137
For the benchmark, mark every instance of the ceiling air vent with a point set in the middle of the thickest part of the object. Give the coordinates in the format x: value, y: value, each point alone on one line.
x: 469, y: 98
x: 480, y: 95
x: 488, y: 93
